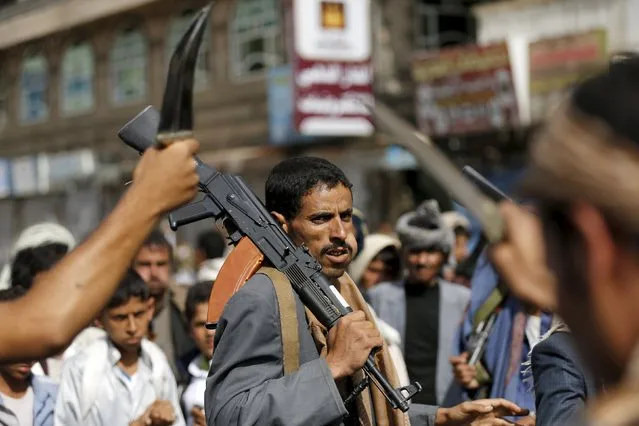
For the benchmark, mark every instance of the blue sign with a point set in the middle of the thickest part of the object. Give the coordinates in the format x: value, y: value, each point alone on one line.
x: 398, y: 158
x: 282, y: 131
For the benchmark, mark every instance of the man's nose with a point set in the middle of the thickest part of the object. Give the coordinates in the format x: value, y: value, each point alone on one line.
x: 338, y: 230
x: 423, y: 257
x: 131, y: 325
x: 155, y: 271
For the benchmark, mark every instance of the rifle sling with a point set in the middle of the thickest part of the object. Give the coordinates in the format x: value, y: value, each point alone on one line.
x: 288, y: 318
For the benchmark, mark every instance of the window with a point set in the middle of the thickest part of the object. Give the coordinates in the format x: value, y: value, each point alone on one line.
x: 440, y: 23
x: 77, y: 79
x: 129, y: 67
x: 256, y: 37
x: 33, y: 89
x: 178, y: 27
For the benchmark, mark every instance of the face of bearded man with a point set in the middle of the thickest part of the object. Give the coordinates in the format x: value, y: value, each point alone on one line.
x: 424, y: 265
x: 325, y: 225
x: 153, y: 263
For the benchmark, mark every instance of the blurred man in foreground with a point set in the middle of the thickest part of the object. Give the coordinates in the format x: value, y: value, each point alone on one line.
x: 581, y: 253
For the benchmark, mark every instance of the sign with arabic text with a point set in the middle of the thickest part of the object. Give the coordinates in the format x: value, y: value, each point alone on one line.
x: 466, y: 89
x: 557, y: 64
x: 332, y: 67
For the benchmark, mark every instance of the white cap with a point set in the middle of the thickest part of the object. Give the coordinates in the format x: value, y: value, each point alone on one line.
x: 35, y: 236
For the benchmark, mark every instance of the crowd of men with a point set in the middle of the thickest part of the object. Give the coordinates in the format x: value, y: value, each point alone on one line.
x: 113, y: 331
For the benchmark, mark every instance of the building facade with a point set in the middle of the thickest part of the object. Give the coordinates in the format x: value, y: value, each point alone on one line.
x: 72, y: 72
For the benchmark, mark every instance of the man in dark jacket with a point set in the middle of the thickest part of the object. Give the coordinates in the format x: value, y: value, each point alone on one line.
x: 562, y: 384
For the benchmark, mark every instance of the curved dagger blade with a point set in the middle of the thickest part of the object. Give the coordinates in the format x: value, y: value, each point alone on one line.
x: 441, y: 169
x: 176, y: 116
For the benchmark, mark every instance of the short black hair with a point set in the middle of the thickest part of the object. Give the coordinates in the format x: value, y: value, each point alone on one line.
x: 31, y: 261
x: 12, y: 293
x: 212, y: 244
x: 292, y: 179
x: 198, y: 293
x: 132, y: 285
x: 613, y: 97
x: 157, y: 239
x: 461, y: 231
x: 391, y: 257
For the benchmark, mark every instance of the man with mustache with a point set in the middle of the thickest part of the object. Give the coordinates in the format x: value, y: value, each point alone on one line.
x: 423, y: 307
x: 250, y: 380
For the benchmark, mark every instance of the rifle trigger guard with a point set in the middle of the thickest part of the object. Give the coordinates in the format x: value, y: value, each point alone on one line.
x: 411, y: 390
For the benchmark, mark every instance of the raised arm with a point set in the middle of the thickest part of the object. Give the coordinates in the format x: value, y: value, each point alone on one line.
x: 65, y: 299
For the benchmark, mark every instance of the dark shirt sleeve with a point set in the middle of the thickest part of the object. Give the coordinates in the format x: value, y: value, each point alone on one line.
x: 422, y: 415
x: 246, y: 384
x: 560, y: 386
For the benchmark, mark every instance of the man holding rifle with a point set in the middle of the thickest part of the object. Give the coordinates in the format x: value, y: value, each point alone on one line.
x: 256, y: 378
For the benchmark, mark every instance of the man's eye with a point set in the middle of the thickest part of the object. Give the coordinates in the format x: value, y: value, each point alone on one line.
x: 346, y: 217
x: 320, y: 219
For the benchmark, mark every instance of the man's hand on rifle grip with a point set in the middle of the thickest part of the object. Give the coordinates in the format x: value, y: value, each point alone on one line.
x: 349, y: 343
x: 167, y: 178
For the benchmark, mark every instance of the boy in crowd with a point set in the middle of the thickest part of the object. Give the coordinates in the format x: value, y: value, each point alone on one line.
x: 121, y: 379
x: 197, y: 304
x: 25, y: 399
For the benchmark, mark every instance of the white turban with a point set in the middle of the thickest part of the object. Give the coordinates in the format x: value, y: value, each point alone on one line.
x: 34, y: 236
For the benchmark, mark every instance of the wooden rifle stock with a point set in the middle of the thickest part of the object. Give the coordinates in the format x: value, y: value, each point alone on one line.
x: 241, y: 264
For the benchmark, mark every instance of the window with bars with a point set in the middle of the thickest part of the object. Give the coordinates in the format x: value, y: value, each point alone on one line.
x: 177, y: 28
x: 78, y: 71
x: 441, y: 23
x: 255, y: 37
x: 128, y: 66
x: 34, y: 85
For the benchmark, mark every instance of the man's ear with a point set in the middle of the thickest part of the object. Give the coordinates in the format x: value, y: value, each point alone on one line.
x: 281, y: 220
x: 601, y: 250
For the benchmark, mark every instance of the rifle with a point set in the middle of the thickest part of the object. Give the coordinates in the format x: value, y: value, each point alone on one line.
x: 229, y: 201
